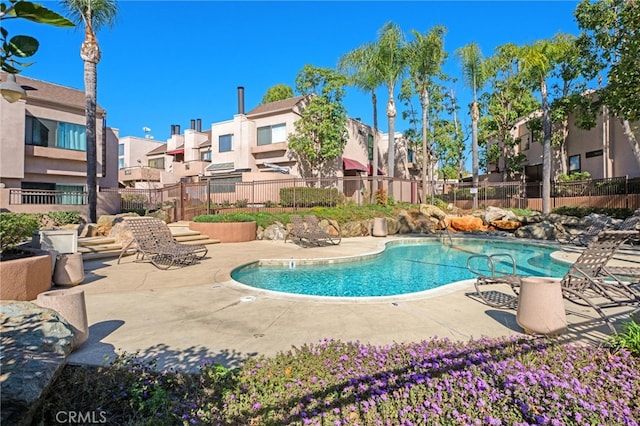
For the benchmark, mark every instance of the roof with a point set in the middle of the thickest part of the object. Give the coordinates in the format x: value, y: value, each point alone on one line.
x: 272, y: 107
x: 50, y: 92
x: 158, y: 150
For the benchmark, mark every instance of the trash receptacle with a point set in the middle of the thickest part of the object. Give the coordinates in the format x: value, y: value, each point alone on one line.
x: 379, y: 228
x: 541, y: 306
x: 69, y: 269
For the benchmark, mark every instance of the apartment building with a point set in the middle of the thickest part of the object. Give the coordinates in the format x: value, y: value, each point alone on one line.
x: 603, y: 151
x: 253, y: 146
x: 43, y: 145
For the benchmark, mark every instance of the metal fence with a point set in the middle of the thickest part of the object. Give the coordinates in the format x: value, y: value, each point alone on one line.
x: 184, y: 201
x: 33, y: 196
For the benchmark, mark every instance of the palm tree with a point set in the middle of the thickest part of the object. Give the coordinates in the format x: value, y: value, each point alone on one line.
x: 474, y: 75
x: 537, y: 62
x: 389, y: 64
x: 357, y: 65
x: 425, y: 56
x: 93, y: 14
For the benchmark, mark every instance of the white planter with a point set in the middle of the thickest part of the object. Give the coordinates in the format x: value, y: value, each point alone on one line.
x: 58, y: 240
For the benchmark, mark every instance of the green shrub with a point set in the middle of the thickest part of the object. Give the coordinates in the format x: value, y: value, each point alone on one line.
x: 574, y: 177
x: 16, y: 228
x: 224, y: 217
x: 618, y: 213
x: 72, y: 217
x: 309, y: 197
x: 628, y: 338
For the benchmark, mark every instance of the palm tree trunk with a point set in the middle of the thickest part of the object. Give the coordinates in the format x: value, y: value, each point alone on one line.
x: 426, y: 152
x: 391, y: 115
x: 546, y: 150
x: 90, y: 54
x: 375, y: 164
x: 92, y: 156
x: 475, y: 115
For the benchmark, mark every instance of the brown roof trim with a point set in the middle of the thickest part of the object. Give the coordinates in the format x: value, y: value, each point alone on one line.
x: 158, y: 150
x: 277, y: 106
x: 42, y: 91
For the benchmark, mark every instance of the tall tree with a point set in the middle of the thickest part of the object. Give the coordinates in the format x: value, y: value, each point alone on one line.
x: 508, y: 100
x: 389, y: 63
x: 321, y: 132
x: 425, y: 56
x: 278, y: 92
x: 537, y: 63
x: 358, y: 67
x: 475, y: 77
x: 610, y: 43
x: 93, y: 15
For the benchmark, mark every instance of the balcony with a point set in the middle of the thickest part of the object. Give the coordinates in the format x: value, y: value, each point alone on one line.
x: 271, y: 148
x: 55, y: 153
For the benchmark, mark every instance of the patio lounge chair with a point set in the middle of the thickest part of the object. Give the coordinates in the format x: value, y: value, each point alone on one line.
x: 589, y: 282
x: 155, y: 243
x: 583, y: 239
x: 298, y: 230
x: 319, y: 234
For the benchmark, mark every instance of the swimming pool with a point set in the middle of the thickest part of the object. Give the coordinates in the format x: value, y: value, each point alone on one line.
x: 403, y: 267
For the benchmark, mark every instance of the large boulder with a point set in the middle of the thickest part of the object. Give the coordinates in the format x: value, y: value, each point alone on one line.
x: 120, y: 233
x: 275, y: 231
x: 432, y: 211
x: 538, y: 231
x: 354, y: 229
x: 466, y: 224
x: 393, y: 226
x: 35, y: 344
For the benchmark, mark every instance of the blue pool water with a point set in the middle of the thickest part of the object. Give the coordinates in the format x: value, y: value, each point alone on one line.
x: 399, y: 269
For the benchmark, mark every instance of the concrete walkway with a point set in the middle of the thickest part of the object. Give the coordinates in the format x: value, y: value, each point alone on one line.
x: 184, y: 316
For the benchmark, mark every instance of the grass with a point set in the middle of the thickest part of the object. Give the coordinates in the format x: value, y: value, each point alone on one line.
x: 510, y: 381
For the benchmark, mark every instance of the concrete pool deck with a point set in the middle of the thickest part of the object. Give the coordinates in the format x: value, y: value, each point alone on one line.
x: 184, y: 316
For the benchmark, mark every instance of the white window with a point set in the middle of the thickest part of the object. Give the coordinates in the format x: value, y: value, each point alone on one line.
x: 272, y: 134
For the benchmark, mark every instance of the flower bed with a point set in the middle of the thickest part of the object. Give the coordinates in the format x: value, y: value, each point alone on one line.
x: 516, y: 381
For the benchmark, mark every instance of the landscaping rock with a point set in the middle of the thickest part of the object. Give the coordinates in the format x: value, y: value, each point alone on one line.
x: 506, y: 225
x: 120, y: 233
x: 538, y: 231
x: 466, y: 224
x: 354, y: 229
x: 275, y: 231
x: 432, y: 211
x: 35, y: 344
x: 393, y: 226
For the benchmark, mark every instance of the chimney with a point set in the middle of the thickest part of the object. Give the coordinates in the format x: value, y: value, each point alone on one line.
x: 177, y: 129
x: 193, y: 124
x: 198, y: 125
x: 240, y: 100
x: 173, y: 129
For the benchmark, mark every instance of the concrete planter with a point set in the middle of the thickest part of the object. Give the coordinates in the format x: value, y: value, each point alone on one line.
x: 24, y: 279
x: 71, y: 305
x: 69, y: 270
x: 226, y: 232
x: 541, y: 307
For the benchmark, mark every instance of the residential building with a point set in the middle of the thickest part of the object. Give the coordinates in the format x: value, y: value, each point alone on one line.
x: 43, y: 147
x: 603, y: 151
x: 135, y: 168
x: 253, y: 146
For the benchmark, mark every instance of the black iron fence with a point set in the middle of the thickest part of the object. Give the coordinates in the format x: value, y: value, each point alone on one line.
x: 187, y: 200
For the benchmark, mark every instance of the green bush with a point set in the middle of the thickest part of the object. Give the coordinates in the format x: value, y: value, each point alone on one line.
x: 16, y: 228
x: 618, y: 213
x: 224, y: 217
x: 309, y: 197
x: 72, y: 217
x: 628, y: 338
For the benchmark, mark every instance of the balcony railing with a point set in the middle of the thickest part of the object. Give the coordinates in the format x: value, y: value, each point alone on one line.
x: 37, y: 196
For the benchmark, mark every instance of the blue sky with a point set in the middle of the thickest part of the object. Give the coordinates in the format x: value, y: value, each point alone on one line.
x: 166, y: 62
